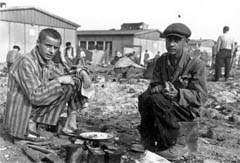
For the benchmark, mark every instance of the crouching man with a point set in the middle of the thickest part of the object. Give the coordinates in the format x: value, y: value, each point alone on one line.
x: 175, y: 94
x: 38, y: 92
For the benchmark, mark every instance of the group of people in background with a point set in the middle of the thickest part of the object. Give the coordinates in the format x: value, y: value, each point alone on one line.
x: 73, y: 59
x: 223, y: 56
x: 68, y: 59
x: 142, y: 59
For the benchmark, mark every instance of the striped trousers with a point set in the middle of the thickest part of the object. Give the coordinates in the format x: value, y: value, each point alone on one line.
x: 50, y: 114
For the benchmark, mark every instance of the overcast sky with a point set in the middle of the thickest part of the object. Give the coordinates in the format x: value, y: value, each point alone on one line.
x: 205, y: 18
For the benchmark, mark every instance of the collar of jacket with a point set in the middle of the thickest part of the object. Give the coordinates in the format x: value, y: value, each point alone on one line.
x: 179, y: 66
x: 41, y: 61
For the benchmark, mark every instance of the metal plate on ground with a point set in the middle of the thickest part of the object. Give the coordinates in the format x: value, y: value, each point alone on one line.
x: 96, y: 135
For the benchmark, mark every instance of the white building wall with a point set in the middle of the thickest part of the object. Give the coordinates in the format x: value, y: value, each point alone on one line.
x: 153, y: 46
x: 17, y: 35
x: 70, y: 35
x: 4, y: 40
x: 31, y: 34
x: 25, y: 36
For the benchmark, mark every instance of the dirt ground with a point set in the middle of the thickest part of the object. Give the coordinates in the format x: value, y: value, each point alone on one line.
x: 113, y: 109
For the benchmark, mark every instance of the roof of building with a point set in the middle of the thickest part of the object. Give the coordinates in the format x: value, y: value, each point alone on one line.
x: 205, y: 42
x: 116, y: 32
x: 138, y: 23
x: 17, y: 8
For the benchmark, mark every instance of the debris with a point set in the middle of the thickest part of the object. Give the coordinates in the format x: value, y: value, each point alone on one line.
x: 208, y: 134
x: 40, y: 149
x: 115, y: 107
x: 210, y: 161
x: 74, y: 153
x: 39, y: 154
x: 150, y: 157
x: 137, y: 148
x: 3, y: 148
x: 96, y: 155
x: 6, y: 156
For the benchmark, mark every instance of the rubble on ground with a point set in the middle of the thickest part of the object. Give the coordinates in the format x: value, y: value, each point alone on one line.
x: 113, y: 109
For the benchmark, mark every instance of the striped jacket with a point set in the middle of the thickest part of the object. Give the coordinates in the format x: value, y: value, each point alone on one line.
x: 29, y: 86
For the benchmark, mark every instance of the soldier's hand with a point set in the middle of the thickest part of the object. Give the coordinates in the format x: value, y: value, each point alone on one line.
x: 66, y: 79
x: 157, y: 89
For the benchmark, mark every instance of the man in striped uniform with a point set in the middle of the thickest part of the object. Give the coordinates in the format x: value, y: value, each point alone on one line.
x: 37, y: 90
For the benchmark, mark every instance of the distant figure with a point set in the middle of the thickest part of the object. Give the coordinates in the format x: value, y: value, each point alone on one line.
x: 146, y: 58
x: 107, y: 55
x: 149, y: 69
x: 81, y: 57
x: 59, y: 62
x: 225, y: 50
x: 133, y: 57
x: 69, y: 54
x: 157, y: 56
x: 117, y: 56
x: 12, y: 56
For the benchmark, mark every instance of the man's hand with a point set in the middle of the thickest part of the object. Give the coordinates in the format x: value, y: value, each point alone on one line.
x: 86, y: 79
x: 157, y: 89
x: 171, y: 92
x: 66, y: 79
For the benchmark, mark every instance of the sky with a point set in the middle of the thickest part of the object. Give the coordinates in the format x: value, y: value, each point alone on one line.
x: 205, y: 18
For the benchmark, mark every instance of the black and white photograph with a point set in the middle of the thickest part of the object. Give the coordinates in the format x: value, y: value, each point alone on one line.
x: 119, y: 81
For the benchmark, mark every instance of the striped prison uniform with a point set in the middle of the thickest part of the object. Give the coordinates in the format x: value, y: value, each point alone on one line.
x: 34, y: 92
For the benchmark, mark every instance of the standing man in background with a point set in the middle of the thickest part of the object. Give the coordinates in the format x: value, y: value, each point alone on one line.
x: 146, y: 58
x: 12, y: 55
x: 82, y: 57
x: 69, y: 54
x: 225, y: 50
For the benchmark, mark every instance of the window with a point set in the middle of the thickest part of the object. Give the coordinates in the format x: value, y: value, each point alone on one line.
x: 100, y: 45
x: 83, y: 44
x: 91, y: 45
